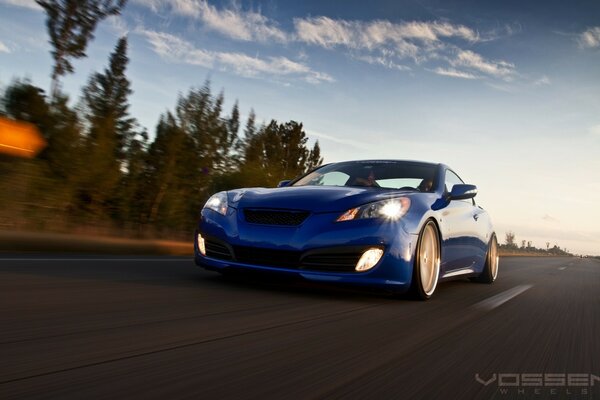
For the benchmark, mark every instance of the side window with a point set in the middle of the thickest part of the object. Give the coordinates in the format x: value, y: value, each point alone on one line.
x: 453, y: 179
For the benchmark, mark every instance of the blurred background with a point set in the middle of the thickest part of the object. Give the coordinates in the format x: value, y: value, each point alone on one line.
x: 93, y: 169
x: 120, y: 117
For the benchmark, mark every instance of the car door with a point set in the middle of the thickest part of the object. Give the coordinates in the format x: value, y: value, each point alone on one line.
x: 459, y: 231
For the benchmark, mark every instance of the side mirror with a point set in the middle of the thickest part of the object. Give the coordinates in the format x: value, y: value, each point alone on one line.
x: 283, y: 183
x: 463, y: 192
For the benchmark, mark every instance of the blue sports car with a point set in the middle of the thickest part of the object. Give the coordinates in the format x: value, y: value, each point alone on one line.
x: 387, y: 224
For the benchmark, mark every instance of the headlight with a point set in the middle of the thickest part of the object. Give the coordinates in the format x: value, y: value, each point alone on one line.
x: 218, y: 203
x: 391, y: 209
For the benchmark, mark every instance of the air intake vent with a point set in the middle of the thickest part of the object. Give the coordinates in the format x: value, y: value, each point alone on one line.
x: 275, y: 217
x: 217, y: 250
x: 267, y: 257
x: 334, y: 260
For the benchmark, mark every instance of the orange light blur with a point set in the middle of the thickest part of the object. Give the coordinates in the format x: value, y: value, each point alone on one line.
x: 20, y: 139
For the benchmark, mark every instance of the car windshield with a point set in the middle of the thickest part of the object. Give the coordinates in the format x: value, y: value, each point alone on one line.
x: 379, y: 174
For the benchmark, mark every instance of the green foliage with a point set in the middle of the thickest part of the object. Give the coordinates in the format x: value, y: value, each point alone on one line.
x: 100, y: 170
x: 278, y: 151
x: 109, y: 135
x: 71, y: 25
x: 40, y: 191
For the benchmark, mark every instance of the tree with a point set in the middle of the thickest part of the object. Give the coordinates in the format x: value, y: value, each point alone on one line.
x: 510, y: 239
x: 161, y: 166
x: 250, y: 129
x: 71, y: 25
x: 314, y: 157
x: 232, y: 142
x: 106, y: 102
x: 25, y: 102
x: 194, y: 154
x: 129, y: 207
x: 58, y: 123
x: 99, y: 164
x: 279, y: 151
x: 46, y: 184
x: 111, y: 130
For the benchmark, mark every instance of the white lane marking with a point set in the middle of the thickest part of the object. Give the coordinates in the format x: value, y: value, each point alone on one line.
x: 501, y: 298
x: 562, y: 268
x: 100, y: 259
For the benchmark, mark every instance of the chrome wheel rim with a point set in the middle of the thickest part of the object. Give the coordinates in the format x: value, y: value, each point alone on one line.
x: 429, y: 260
x: 494, y: 259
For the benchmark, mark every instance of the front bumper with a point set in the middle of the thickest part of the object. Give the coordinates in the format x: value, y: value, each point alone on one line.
x: 318, y: 233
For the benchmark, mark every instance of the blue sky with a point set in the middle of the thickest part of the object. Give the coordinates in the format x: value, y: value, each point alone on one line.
x: 507, y: 93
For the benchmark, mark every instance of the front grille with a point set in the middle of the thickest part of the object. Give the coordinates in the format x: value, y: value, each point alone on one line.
x: 267, y: 257
x: 335, y: 260
x: 275, y: 217
x: 217, y: 250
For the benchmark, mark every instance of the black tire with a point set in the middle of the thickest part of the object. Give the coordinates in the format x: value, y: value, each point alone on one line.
x: 427, y: 255
x: 490, y: 270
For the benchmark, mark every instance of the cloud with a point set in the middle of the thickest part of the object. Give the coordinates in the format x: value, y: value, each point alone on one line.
x: 377, y: 42
x: 327, y: 32
x: 384, y: 62
x: 542, y: 81
x: 454, y: 73
x: 175, y: 49
x: 324, y: 32
x: 433, y: 41
x: 232, y: 22
x: 4, y: 48
x: 117, y: 25
x: 503, y: 87
x: 415, y: 40
x: 30, y: 4
x: 472, y: 60
x: 590, y: 38
x: 241, y: 25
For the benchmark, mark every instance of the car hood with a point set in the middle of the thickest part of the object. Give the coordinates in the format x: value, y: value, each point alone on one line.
x: 312, y: 198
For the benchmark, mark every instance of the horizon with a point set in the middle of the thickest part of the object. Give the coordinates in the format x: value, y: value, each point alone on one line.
x: 507, y: 95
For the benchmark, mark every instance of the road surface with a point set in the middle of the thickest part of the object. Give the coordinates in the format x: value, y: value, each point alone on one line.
x: 160, y: 327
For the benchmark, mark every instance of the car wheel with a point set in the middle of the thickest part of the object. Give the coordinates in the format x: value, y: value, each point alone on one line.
x: 426, y: 270
x: 490, y: 269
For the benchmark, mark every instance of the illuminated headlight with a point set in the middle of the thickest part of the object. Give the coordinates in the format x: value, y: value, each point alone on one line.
x: 369, y: 259
x: 391, y: 209
x: 201, y: 245
x: 218, y: 203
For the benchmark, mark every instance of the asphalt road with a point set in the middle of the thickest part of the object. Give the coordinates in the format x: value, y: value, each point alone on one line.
x: 86, y: 328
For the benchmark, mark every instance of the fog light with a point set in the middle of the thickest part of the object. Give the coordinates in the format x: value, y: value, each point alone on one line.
x: 369, y: 259
x: 201, y: 245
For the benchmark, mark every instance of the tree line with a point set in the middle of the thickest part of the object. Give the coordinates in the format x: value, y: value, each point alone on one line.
x: 101, y: 170
x: 511, y: 245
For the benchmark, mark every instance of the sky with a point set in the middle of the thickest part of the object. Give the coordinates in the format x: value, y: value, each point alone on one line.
x: 506, y: 93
